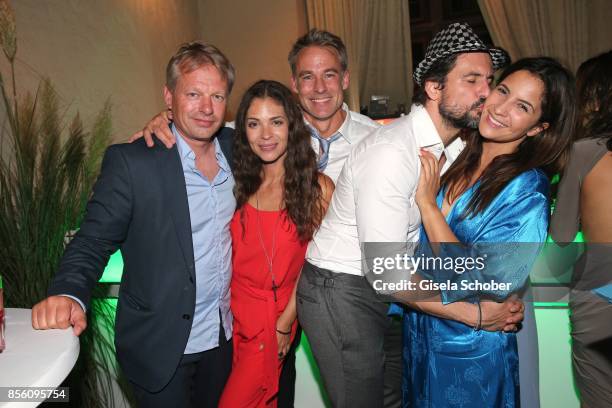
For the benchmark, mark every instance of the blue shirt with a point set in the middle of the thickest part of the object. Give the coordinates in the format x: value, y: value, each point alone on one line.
x: 211, y: 207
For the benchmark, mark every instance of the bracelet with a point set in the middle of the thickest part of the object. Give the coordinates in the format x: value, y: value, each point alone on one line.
x: 283, y: 333
x: 479, y: 323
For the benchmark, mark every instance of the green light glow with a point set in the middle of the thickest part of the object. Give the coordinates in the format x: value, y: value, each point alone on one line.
x: 555, y: 179
x: 110, y: 301
x: 551, y: 304
x: 579, y: 238
x: 114, y: 269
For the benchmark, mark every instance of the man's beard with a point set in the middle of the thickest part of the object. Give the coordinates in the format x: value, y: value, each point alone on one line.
x: 458, y: 118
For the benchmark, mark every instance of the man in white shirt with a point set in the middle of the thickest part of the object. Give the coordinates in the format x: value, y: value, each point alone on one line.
x: 320, y: 75
x: 342, y: 316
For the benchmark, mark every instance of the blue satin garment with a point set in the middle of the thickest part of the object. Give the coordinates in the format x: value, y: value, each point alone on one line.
x: 449, y: 364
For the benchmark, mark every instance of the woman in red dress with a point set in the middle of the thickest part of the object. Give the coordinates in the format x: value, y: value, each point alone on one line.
x: 281, y: 199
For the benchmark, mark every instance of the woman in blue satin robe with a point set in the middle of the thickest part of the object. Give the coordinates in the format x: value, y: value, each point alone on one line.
x: 493, y: 200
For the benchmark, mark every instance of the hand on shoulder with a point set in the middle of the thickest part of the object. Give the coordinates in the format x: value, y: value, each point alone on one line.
x: 158, y: 127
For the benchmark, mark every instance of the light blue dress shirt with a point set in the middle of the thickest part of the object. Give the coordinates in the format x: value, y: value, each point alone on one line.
x: 211, y: 207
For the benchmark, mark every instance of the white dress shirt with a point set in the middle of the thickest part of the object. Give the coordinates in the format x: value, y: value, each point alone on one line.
x: 353, y: 130
x: 374, y: 200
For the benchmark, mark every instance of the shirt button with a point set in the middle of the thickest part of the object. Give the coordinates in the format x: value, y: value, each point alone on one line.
x: 261, y: 346
x: 186, y: 316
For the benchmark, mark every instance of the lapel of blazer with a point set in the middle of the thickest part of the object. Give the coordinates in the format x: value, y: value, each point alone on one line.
x: 175, y: 192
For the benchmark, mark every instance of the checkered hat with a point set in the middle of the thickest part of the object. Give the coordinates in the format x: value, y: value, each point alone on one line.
x: 454, y: 39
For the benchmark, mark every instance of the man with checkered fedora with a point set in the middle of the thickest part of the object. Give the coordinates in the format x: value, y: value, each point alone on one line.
x: 374, y: 202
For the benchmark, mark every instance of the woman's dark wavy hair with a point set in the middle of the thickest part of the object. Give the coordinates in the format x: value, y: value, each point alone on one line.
x: 302, y: 192
x: 548, y: 150
x: 594, y: 92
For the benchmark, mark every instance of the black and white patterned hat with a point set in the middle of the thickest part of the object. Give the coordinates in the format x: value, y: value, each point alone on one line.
x: 454, y: 39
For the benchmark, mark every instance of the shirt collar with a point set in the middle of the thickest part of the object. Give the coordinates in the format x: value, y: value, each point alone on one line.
x: 453, y: 150
x: 186, y: 153
x: 343, y: 130
x: 427, y: 135
x: 424, y: 130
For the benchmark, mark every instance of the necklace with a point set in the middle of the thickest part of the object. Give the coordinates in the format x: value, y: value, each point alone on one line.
x: 269, y: 258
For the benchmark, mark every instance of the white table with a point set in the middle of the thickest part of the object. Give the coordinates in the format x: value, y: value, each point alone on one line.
x: 34, y: 358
